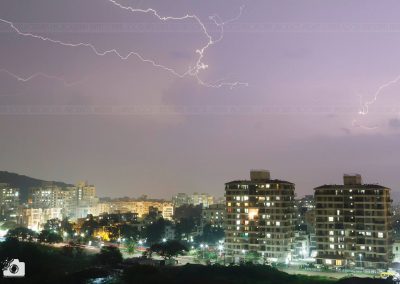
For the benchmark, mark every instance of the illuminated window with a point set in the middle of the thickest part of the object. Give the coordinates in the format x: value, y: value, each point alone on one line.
x: 331, y: 233
x: 380, y: 235
x: 278, y: 198
x: 362, y: 247
x: 332, y: 246
x: 267, y: 186
x: 278, y: 223
x: 238, y: 222
x: 328, y: 261
x: 331, y: 239
x: 330, y: 219
x: 253, y: 212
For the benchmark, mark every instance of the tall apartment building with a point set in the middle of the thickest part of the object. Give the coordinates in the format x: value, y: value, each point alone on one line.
x: 260, y: 217
x: 353, y: 224
x: 9, y: 202
x: 181, y: 199
x: 214, y: 215
x: 203, y: 199
x: 75, y: 201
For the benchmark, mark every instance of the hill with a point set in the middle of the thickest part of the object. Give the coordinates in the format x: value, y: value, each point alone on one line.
x: 24, y: 183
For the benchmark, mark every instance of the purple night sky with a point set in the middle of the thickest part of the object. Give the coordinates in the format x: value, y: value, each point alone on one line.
x: 307, y: 64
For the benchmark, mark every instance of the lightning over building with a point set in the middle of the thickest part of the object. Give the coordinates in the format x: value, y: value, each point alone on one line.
x: 192, y: 71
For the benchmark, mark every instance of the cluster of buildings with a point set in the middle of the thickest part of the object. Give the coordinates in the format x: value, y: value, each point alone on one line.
x: 348, y: 225
x: 195, y: 199
x: 51, y: 201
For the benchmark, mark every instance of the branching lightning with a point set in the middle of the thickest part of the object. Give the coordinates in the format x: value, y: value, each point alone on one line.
x: 40, y: 74
x: 364, y: 109
x: 193, y: 71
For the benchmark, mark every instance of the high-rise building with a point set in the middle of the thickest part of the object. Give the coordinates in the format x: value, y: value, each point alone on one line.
x: 181, y: 199
x: 203, y: 199
x: 214, y: 215
x: 260, y: 217
x: 9, y: 202
x: 75, y: 201
x: 353, y: 224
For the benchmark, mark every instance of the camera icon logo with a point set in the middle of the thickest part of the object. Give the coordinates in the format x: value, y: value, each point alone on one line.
x: 13, y: 268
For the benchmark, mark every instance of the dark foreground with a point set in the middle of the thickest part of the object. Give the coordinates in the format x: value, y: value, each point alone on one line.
x: 46, y: 264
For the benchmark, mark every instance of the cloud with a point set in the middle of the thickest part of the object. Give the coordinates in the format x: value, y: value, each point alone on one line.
x: 394, y: 123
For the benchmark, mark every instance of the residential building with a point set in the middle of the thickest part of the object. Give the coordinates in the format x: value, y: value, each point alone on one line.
x: 203, y: 199
x: 214, y: 215
x: 181, y: 199
x: 35, y: 218
x: 353, y: 224
x: 9, y: 202
x: 260, y: 217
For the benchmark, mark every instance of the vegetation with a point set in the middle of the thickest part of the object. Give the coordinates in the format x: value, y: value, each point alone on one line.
x: 200, y: 274
x: 169, y: 249
x: 211, y: 235
x: 43, y: 264
x: 50, y: 237
x: 21, y: 233
x: 155, y: 231
x: 109, y: 255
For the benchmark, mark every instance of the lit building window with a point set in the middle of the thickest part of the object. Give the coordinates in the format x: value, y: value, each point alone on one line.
x: 330, y: 219
x: 278, y: 223
x: 380, y: 235
x: 328, y: 261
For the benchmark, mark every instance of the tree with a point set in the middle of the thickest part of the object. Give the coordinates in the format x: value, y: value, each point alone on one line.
x: 50, y: 237
x: 211, y: 235
x: 154, y: 232
x: 109, y: 255
x: 252, y: 257
x: 188, y: 211
x: 89, y: 226
x: 53, y: 225
x: 21, y: 233
x: 130, y: 246
x: 169, y: 249
x: 66, y: 227
x: 184, y: 227
x: 8, y: 225
x: 129, y: 232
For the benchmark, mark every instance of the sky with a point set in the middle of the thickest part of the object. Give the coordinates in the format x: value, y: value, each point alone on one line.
x: 318, y: 94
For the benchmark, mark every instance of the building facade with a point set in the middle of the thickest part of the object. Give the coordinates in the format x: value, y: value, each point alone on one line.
x: 353, y: 224
x: 259, y: 218
x: 9, y: 202
x: 214, y: 215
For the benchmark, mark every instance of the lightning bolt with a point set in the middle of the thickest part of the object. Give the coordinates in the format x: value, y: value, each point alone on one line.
x: 193, y: 71
x: 40, y: 74
x: 364, y: 109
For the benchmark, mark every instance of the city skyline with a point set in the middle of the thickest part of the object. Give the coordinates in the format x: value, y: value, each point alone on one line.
x: 321, y: 98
